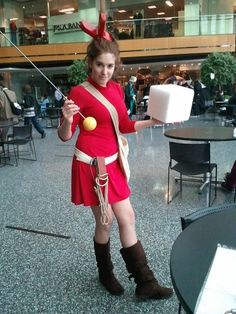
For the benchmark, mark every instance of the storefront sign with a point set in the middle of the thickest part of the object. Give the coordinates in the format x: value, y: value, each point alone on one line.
x: 68, y: 27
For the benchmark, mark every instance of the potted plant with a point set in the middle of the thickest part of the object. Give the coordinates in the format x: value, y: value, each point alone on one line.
x: 77, y: 72
x: 218, y: 69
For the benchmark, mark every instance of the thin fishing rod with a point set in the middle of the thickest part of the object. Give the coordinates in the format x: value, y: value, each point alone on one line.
x: 22, y: 53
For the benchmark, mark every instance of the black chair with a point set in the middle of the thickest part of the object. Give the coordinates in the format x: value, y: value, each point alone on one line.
x: 53, y: 114
x: 192, y: 217
x: 21, y: 136
x: 5, y: 154
x: 2, y: 154
x: 192, y: 160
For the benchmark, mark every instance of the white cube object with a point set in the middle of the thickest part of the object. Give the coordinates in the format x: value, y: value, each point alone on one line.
x: 170, y: 103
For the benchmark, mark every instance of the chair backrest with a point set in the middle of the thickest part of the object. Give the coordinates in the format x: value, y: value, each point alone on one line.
x: 190, y: 153
x: 187, y: 220
x: 53, y: 112
x: 22, y: 132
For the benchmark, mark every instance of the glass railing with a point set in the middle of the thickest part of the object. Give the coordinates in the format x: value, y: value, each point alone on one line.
x: 127, y: 29
x: 173, y: 26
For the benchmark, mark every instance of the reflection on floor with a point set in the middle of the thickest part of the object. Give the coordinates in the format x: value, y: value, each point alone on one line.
x: 53, y: 269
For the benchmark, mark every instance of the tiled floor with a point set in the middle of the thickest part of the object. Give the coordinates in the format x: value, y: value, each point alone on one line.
x: 41, y: 273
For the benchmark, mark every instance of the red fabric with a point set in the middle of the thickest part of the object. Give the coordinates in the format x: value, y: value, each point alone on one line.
x: 100, y: 142
x: 13, y: 26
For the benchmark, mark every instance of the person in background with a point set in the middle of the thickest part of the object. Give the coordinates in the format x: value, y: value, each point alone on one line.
x: 198, y: 106
x: 231, y: 110
x: 138, y: 22
x: 130, y: 96
x: 219, y: 95
x: 13, y: 30
x: 229, y: 183
x: 43, y: 105
x: 5, y: 108
x: 172, y: 79
x: 146, y: 92
x: 146, y: 89
x: 103, y: 60
x: 30, y: 105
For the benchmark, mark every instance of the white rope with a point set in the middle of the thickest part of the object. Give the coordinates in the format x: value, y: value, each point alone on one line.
x: 101, y: 181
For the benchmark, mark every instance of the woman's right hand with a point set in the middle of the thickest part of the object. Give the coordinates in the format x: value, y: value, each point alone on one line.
x: 69, y: 109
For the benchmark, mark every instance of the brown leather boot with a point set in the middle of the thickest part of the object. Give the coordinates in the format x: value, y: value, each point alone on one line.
x: 136, y: 264
x: 105, y: 269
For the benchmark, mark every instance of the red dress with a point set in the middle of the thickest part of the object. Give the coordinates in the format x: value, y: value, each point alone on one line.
x: 102, y: 142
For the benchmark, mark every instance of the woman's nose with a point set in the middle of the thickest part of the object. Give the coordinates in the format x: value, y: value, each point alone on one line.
x: 104, y: 70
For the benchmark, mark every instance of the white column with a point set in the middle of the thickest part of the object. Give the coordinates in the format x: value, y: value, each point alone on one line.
x: 192, y: 17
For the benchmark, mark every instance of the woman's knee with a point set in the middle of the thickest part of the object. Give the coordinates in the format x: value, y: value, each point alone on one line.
x: 128, y: 223
x: 104, y: 227
x: 125, y: 215
x: 103, y: 224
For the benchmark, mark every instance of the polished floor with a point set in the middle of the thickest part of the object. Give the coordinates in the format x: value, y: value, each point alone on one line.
x: 52, y: 269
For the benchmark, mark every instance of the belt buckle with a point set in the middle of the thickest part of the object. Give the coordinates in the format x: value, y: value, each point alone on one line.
x: 93, y: 161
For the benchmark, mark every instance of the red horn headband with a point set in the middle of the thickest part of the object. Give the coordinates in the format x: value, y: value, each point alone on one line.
x: 99, y: 31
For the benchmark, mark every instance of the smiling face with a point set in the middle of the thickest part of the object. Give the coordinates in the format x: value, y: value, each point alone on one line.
x: 103, y: 59
x: 102, y: 68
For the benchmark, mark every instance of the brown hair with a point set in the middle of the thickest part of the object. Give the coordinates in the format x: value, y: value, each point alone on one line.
x: 99, y: 46
x: 27, y: 88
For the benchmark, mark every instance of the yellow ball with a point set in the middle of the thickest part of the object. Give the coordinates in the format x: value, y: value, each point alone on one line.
x: 89, y: 124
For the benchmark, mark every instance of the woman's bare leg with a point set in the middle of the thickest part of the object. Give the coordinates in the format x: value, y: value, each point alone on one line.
x: 102, y: 232
x: 102, y: 253
x: 134, y: 255
x: 125, y: 216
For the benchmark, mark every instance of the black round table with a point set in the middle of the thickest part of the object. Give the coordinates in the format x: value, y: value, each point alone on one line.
x: 7, y: 123
x: 194, y: 250
x: 209, y: 134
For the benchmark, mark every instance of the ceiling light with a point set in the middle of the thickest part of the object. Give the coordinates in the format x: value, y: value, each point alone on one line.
x: 43, y: 16
x: 169, y: 3
x: 67, y: 10
x: 121, y: 11
x: 152, y: 7
x: 14, y: 19
x: 160, y: 13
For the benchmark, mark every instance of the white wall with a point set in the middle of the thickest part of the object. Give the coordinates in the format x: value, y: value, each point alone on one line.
x: 218, y: 6
x: 217, y: 17
x: 191, y: 15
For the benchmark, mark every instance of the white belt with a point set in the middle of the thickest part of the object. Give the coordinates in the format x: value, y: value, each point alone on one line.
x: 81, y: 156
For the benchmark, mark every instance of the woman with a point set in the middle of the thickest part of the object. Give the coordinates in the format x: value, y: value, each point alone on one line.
x: 103, y: 60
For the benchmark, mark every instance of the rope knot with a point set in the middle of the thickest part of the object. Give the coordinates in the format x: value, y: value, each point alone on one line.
x: 101, y: 182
